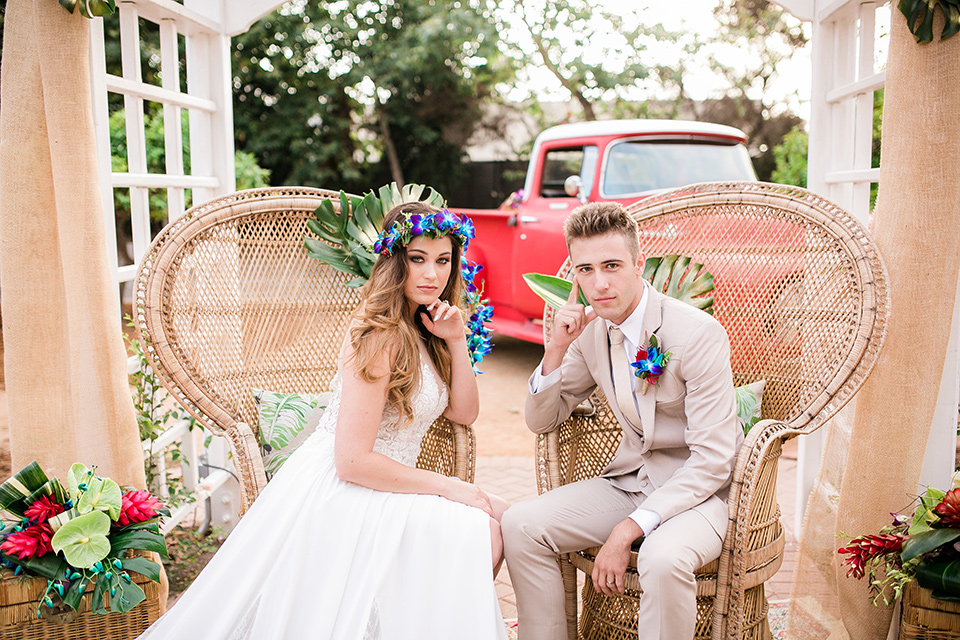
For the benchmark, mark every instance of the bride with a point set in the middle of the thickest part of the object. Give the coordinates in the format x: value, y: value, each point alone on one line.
x: 349, y: 540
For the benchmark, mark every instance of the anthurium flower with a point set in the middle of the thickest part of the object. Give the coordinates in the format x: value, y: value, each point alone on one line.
x: 102, y: 494
x: 43, y: 509
x: 32, y: 542
x: 138, y: 506
x: 83, y: 541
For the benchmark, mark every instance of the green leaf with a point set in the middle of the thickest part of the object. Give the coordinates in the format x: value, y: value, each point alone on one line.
x: 75, y: 592
x: 62, y: 518
x: 49, y: 565
x: 941, y: 577
x: 96, y: 604
x: 83, y: 541
x: 124, y: 596
x: 553, y: 290
x: 144, y: 540
x: 143, y: 566
x: 102, y: 494
x: 927, y: 541
x: 919, y: 14
x: 675, y: 276
x: 15, y: 491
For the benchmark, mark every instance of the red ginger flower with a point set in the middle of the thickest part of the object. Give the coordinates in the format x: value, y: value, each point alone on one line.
x: 32, y: 542
x: 43, y: 509
x: 865, y: 548
x: 138, y: 506
x: 949, y: 509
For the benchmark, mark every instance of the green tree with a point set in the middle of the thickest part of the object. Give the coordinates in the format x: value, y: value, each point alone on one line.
x: 249, y: 174
x: 599, y: 56
x: 351, y: 94
x: 791, y: 154
x: 790, y: 158
x: 770, y: 36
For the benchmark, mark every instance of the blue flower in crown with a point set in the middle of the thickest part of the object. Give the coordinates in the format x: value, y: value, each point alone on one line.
x: 470, y: 271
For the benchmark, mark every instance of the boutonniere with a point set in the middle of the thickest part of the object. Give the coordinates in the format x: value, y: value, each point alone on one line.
x: 650, y: 364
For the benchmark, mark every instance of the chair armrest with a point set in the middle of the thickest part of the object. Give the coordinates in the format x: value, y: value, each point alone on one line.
x: 580, y: 447
x: 249, y: 464
x: 753, y: 545
x: 449, y: 448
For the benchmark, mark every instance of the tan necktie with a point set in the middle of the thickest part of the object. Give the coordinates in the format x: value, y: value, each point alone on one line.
x: 621, y: 378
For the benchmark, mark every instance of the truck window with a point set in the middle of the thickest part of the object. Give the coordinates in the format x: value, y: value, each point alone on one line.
x: 636, y: 166
x: 558, y: 165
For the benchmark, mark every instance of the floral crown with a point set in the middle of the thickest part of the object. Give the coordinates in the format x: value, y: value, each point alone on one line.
x: 434, y: 225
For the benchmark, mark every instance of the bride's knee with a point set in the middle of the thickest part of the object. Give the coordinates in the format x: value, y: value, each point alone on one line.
x: 496, y: 540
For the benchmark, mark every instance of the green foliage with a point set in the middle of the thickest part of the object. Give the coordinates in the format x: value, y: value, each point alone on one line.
x: 156, y: 411
x: 345, y: 237
x: 747, y: 402
x: 599, y: 56
x: 90, y: 8
x: 791, y: 159
x: 675, y: 276
x: 919, y: 14
x: 327, y: 93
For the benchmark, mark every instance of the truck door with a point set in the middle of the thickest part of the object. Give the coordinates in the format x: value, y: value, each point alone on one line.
x: 538, y: 244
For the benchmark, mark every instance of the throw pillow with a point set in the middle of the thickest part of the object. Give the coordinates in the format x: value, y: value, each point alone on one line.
x: 749, y: 399
x: 282, y: 419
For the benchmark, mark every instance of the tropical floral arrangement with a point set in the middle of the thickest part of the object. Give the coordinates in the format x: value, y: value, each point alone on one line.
x: 650, y: 362
x: 350, y: 239
x: 925, y: 546
x: 89, y: 532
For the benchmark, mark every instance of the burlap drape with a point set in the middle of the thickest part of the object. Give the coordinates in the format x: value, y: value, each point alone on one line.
x: 917, y: 227
x: 64, y: 357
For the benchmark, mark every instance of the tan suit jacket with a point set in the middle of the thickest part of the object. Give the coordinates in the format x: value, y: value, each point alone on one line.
x: 682, y: 456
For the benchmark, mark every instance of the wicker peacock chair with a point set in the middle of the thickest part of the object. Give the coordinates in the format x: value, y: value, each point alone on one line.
x: 802, y: 293
x: 228, y: 300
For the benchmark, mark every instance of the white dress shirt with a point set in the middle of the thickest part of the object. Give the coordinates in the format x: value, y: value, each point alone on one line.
x: 632, y: 329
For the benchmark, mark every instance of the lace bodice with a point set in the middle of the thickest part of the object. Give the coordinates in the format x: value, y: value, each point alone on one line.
x: 400, y: 443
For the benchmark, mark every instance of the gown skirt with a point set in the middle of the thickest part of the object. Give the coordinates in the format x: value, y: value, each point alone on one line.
x: 318, y: 557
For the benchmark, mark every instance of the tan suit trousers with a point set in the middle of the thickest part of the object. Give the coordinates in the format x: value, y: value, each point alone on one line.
x: 581, y: 515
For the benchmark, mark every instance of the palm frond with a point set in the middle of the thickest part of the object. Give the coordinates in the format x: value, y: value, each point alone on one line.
x: 343, y: 236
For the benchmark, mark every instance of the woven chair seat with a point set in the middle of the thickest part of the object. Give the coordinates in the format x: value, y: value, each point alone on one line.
x: 228, y: 300
x: 802, y: 292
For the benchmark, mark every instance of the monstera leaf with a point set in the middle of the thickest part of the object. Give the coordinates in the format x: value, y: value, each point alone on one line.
x: 919, y: 15
x: 669, y: 275
x: 674, y: 276
x: 344, y: 239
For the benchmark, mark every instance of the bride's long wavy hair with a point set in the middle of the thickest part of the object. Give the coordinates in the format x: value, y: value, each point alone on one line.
x: 382, y: 323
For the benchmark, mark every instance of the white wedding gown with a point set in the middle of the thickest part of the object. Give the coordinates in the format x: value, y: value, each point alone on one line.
x: 318, y: 557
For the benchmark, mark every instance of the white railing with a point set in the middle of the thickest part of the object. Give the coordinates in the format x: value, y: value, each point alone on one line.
x: 204, y: 472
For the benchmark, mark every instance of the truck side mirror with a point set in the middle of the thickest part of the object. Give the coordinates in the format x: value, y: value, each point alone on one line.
x: 572, y: 186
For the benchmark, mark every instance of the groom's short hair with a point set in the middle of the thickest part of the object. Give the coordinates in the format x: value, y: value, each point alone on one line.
x: 598, y: 218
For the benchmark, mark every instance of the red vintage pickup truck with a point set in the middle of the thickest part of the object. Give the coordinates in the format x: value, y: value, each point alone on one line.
x: 622, y: 160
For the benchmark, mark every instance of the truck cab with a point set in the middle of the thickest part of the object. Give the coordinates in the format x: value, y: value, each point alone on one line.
x: 571, y: 164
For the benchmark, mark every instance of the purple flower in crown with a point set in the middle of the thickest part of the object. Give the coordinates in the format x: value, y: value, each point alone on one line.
x: 384, y: 244
x: 419, y: 224
x: 466, y: 231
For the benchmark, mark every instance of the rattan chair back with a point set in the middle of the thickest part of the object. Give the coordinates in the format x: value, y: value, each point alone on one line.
x: 228, y: 300
x: 802, y: 293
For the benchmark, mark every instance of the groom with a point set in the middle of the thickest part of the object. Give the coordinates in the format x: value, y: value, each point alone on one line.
x: 668, y: 481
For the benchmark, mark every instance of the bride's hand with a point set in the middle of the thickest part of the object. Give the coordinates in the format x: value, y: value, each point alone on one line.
x: 443, y: 320
x: 468, y: 494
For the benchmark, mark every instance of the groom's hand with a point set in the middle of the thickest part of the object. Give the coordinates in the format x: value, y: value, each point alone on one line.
x: 568, y: 323
x: 611, y: 563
